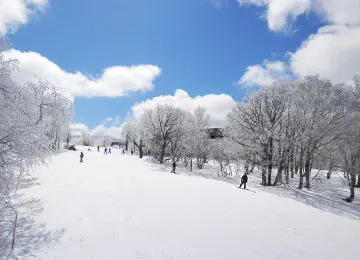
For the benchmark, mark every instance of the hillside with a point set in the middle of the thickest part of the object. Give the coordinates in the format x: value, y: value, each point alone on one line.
x: 120, y: 207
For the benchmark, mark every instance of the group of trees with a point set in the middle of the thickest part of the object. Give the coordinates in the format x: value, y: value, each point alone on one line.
x: 34, y: 120
x: 286, y: 130
x: 170, y: 132
x: 295, y: 125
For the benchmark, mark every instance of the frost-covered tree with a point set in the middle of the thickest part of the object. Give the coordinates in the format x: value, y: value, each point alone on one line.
x: 30, y: 119
x: 133, y: 131
x: 162, y: 124
x: 195, y: 138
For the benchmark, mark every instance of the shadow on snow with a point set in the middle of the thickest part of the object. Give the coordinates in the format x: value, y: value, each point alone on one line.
x: 326, y: 195
x: 31, y: 236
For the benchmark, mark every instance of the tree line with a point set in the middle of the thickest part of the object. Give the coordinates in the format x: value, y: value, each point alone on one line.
x: 288, y: 128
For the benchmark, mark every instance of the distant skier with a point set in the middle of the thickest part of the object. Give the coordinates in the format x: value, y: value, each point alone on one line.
x: 244, y: 180
x: 105, y: 151
x: 132, y: 152
x: 98, y: 148
x: 123, y: 151
x: 109, y: 150
x: 89, y: 150
x: 81, y: 156
x: 173, y: 167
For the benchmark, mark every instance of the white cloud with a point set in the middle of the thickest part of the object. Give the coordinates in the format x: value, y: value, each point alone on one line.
x: 217, y: 106
x: 280, y: 14
x: 102, y: 130
x: 14, y: 13
x: 264, y: 74
x: 99, y: 130
x: 115, y: 81
x: 333, y: 52
x: 78, y: 129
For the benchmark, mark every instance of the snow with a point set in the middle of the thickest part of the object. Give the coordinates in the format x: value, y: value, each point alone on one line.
x: 122, y: 207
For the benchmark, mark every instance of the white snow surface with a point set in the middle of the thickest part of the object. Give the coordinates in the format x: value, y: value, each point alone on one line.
x: 122, y: 207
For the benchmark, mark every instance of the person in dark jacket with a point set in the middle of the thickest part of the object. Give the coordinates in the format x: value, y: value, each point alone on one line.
x: 173, y: 167
x: 244, y: 180
x: 81, y: 156
x: 105, y: 151
x: 98, y: 148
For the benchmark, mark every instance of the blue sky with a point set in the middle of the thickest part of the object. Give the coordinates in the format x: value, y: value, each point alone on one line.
x: 200, y: 47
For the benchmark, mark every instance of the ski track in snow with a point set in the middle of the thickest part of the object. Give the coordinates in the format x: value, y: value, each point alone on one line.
x: 120, y: 207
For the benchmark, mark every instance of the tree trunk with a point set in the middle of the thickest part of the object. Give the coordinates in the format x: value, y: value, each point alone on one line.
x: 162, y: 154
x: 301, y: 177
x: 352, y: 194
x: 287, y: 175
x: 270, y: 157
x: 352, y: 187
x: 191, y: 164
x: 263, y: 176
x: 307, y: 170
x: 358, y: 180
x: 292, y: 163
x: 141, y: 149
x: 278, y: 178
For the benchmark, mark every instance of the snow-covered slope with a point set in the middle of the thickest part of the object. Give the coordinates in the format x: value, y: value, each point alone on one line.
x: 120, y: 207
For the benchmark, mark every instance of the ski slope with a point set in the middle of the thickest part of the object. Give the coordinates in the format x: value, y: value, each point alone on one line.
x: 120, y: 207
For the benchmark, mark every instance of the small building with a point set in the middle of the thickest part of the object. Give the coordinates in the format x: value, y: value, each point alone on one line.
x: 117, y: 144
x: 215, y: 133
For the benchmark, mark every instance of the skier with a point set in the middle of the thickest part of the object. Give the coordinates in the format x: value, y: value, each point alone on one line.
x: 81, y: 156
x: 132, y: 152
x: 123, y: 151
x: 105, y: 151
x: 89, y: 150
x: 98, y: 148
x: 173, y: 167
x: 244, y: 180
x: 109, y: 150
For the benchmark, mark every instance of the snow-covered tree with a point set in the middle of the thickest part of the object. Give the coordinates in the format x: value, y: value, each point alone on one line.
x: 195, y: 138
x: 31, y: 124
x: 162, y: 124
x: 133, y: 131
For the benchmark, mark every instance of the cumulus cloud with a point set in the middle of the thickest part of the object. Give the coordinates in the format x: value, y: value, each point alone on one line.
x: 264, y: 74
x: 103, y: 130
x: 115, y: 81
x: 78, y: 129
x: 333, y: 52
x: 14, y: 13
x: 100, y: 130
x: 217, y: 106
x: 280, y: 14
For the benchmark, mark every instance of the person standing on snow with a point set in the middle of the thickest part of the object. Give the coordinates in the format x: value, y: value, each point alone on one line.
x: 81, y: 156
x: 132, y: 152
x: 244, y: 180
x: 105, y: 151
x: 109, y: 150
x: 98, y: 148
x: 173, y: 167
